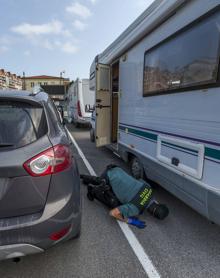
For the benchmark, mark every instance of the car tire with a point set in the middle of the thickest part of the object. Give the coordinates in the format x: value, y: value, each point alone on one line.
x: 90, y: 196
x: 92, y: 135
x: 136, y: 168
x: 77, y: 125
x: 69, y: 120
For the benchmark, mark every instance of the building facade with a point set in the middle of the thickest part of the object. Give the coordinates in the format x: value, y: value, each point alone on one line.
x: 56, y: 92
x: 43, y: 80
x: 10, y: 80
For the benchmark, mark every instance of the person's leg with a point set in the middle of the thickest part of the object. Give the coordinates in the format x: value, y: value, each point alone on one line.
x: 91, y: 179
x: 104, y: 194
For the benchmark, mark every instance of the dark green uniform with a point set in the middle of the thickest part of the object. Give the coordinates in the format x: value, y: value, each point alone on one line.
x: 134, y: 194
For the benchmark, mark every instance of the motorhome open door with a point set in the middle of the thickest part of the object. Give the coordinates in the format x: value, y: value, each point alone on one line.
x: 103, y: 105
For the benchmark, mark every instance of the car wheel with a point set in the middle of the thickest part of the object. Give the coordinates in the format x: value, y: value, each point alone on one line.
x: 90, y: 196
x: 77, y: 125
x: 92, y: 135
x: 136, y: 168
x: 69, y: 120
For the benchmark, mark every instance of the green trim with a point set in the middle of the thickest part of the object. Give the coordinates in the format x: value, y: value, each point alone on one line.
x: 177, y: 146
x: 209, y: 152
x: 213, y: 153
x: 139, y: 132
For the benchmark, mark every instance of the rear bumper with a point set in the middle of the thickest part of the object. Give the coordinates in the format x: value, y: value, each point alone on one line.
x: 18, y: 250
x: 83, y: 120
x: 62, y: 210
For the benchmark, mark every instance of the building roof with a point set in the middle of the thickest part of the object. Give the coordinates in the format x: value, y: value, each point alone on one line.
x: 44, y: 77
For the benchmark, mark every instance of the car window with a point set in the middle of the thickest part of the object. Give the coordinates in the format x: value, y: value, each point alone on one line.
x: 54, y: 111
x: 21, y: 124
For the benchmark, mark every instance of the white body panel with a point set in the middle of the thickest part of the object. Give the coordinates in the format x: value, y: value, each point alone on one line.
x: 80, y: 95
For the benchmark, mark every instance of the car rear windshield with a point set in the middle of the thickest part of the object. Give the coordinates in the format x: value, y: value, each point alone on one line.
x: 20, y: 124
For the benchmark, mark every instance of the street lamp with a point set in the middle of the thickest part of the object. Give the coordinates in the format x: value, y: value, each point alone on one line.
x: 61, y: 76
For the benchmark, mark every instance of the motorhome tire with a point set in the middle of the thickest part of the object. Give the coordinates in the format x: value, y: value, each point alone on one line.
x: 136, y: 168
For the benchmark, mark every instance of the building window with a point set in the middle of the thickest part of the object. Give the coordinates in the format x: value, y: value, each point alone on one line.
x: 185, y: 61
x: 32, y: 84
x: 45, y: 83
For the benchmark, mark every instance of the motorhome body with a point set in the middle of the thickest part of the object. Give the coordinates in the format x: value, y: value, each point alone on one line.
x: 157, y: 99
x: 80, y: 102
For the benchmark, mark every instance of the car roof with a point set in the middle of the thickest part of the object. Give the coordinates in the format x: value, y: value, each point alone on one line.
x: 24, y: 95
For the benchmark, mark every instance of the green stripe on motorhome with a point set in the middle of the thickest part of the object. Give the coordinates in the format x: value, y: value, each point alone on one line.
x: 139, y: 132
x: 209, y: 152
x: 177, y: 146
x: 212, y: 153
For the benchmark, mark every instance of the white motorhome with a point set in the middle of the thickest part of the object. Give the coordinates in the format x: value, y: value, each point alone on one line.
x: 80, y: 102
x: 157, y: 99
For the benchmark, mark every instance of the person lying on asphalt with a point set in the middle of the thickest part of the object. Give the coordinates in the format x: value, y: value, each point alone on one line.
x: 126, y: 196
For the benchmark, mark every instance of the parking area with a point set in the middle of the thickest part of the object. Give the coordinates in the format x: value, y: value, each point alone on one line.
x: 184, y: 245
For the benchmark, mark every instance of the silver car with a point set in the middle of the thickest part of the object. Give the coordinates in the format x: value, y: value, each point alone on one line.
x: 39, y: 179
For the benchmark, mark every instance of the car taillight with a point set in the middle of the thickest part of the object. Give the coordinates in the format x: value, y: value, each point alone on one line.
x: 58, y: 235
x: 79, y: 109
x: 51, y: 161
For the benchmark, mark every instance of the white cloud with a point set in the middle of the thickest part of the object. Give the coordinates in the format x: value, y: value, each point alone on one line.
x: 68, y: 47
x: 27, y: 29
x: 79, y: 25
x: 79, y: 10
x: 66, y: 33
x: 52, y: 36
x: 93, y: 1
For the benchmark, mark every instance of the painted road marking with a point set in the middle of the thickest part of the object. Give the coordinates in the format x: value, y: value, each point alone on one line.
x: 130, y: 236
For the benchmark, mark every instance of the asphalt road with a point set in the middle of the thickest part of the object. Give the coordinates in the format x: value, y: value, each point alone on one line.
x: 184, y: 245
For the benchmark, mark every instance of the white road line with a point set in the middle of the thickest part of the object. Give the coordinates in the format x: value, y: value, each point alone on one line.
x: 133, y: 241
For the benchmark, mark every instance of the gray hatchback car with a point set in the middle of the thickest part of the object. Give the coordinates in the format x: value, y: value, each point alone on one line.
x: 39, y: 179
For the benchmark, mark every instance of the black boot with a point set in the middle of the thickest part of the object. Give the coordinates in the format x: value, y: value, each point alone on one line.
x: 160, y: 211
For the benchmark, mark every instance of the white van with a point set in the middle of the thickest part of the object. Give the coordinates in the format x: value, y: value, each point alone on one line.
x: 157, y: 99
x: 80, y: 102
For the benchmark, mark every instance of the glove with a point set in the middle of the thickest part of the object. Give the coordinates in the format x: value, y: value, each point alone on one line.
x: 136, y: 222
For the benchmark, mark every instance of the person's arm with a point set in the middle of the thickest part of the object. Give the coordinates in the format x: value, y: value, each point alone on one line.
x: 130, y: 220
x: 117, y: 214
x: 123, y: 212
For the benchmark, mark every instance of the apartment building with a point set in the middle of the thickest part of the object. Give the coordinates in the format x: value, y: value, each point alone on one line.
x: 43, y: 80
x: 10, y: 80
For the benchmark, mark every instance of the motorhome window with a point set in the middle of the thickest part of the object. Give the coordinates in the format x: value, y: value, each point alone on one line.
x: 189, y: 59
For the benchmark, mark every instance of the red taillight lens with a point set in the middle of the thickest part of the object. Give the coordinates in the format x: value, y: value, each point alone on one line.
x: 79, y: 109
x: 60, y: 234
x: 49, y: 162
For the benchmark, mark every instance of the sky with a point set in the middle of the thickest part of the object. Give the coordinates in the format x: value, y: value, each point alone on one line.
x: 46, y: 37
